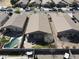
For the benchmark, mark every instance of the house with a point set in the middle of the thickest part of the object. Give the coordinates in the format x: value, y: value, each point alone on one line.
x: 37, y: 1
x: 16, y: 23
x: 69, y: 1
x: 76, y: 15
x: 74, y: 23
x: 3, y: 18
x: 59, y: 22
x: 65, y: 27
x: 45, y: 1
x: 40, y: 1
x: 56, y: 1
x: 22, y: 3
x: 38, y: 28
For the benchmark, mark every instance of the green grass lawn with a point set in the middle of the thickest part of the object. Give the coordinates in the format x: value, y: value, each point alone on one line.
x: 44, y: 46
x: 40, y: 46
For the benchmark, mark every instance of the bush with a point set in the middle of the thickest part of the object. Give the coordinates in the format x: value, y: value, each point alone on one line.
x: 17, y: 10
x: 4, y: 39
x: 33, y: 4
x: 40, y: 46
x: 52, y: 46
x: 67, y: 47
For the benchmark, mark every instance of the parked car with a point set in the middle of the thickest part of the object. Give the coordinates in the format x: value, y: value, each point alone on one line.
x: 28, y: 9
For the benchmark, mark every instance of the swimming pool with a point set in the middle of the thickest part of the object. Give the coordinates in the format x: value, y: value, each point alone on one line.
x: 15, y: 41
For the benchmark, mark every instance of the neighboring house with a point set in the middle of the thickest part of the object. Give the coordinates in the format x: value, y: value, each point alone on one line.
x: 56, y: 1
x: 65, y: 27
x: 22, y: 3
x: 69, y: 1
x: 60, y: 3
x: 38, y: 28
x: 74, y: 23
x: 76, y: 15
x: 45, y: 1
x: 77, y: 1
x: 3, y: 18
x: 59, y: 22
x: 40, y: 1
x: 66, y: 2
x: 37, y: 1
x: 16, y: 23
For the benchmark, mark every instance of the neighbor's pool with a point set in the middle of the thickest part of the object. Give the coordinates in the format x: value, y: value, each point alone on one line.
x: 13, y: 43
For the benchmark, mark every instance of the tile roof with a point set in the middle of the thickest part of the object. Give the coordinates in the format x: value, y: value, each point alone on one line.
x: 17, y: 20
x: 38, y: 22
x: 3, y: 16
x: 60, y: 22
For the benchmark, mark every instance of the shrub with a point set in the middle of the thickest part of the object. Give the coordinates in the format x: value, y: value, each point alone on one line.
x: 33, y: 4
x: 40, y: 46
x: 52, y: 46
x: 17, y: 10
x: 67, y: 47
x: 4, y: 39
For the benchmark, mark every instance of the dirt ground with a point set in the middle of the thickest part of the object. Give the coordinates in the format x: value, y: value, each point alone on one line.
x: 5, y: 3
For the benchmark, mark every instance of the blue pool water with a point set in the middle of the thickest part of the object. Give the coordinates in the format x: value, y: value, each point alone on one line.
x: 14, y: 42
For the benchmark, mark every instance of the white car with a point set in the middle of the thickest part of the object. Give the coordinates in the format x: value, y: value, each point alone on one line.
x: 46, y: 9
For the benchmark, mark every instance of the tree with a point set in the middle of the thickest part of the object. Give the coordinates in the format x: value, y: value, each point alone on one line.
x: 13, y: 1
x: 3, y: 40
